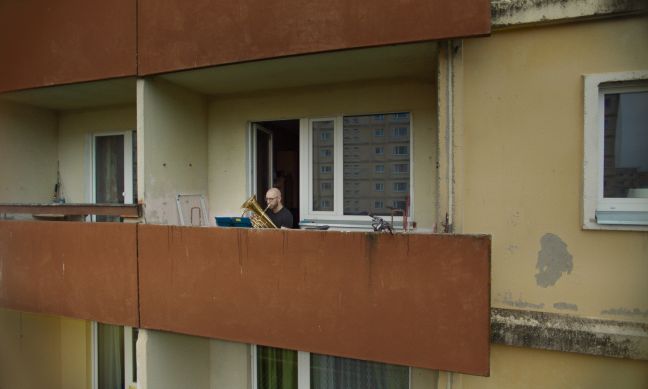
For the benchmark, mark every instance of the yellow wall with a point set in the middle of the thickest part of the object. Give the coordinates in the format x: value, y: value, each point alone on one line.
x: 522, y: 174
x: 229, y: 118
x: 75, y: 353
x: 173, y: 160
x: 530, y: 369
x: 74, y: 147
x: 39, y: 351
x: 28, y: 138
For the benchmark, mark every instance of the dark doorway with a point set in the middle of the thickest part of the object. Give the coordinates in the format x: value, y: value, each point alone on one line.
x: 277, y: 161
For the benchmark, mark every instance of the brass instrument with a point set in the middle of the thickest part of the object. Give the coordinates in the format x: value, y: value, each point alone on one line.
x: 258, y: 217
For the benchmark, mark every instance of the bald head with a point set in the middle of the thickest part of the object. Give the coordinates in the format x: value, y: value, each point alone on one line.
x: 273, y: 199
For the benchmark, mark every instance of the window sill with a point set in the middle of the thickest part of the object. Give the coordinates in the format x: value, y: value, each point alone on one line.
x: 603, y: 222
x: 351, y: 225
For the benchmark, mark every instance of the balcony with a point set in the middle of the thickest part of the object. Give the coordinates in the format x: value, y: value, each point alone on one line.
x: 421, y: 300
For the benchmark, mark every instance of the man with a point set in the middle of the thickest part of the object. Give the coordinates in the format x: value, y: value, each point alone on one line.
x: 279, y: 214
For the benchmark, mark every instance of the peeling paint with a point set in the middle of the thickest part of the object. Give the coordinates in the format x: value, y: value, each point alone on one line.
x: 635, y: 312
x: 553, y: 260
x: 566, y: 306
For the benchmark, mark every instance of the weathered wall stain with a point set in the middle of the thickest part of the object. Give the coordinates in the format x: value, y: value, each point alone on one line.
x: 569, y: 333
x: 636, y: 312
x: 519, y: 303
x: 566, y: 306
x: 553, y: 260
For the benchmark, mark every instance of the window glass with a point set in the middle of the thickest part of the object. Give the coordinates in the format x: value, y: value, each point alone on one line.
x: 400, y: 186
x: 328, y: 372
x: 276, y: 368
x: 365, y: 155
x: 400, y: 168
x: 323, y: 165
x: 625, y: 163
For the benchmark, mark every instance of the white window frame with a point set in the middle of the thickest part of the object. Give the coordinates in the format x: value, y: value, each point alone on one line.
x: 593, y: 200
x: 128, y: 164
x: 337, y: 218
x: 303, y: 369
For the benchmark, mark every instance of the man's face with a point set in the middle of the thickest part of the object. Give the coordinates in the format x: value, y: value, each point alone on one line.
x: 272, y: 199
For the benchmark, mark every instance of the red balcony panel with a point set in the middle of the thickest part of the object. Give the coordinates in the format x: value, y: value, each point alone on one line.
x: 45, y: 42
x: 81, y: 270
x: 177, y: 34
x: 417, y: 300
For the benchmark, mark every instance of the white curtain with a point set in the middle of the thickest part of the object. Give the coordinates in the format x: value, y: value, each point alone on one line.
x: 329, y: 372
x: 110, y: 342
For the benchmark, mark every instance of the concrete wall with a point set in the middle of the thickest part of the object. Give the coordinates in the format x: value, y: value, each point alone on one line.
x: 523, y: 157
x: 229, y: 119
x: 41, y: 351
x: 28, y: 139
x: 172, y: 156
x: 76, y: 129
x: 520, y: 180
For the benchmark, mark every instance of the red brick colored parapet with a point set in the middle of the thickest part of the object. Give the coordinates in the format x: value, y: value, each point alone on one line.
x: 46, y: 43
x: 81, y: 270
x: 176, y: 34
x: 417, y: 300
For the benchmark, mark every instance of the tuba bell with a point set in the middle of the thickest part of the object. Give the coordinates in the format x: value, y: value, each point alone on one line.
x: 257, y: 215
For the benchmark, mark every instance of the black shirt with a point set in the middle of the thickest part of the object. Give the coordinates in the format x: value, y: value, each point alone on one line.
x: 283, y: 218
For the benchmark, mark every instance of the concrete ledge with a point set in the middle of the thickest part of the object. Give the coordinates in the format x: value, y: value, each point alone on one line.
x: 517, y: 13
x: 552, y: 331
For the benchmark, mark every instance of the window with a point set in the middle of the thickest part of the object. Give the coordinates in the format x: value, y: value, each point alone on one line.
x: 400, y: 186
x: 400, y: 150
x: 279, y: 368
x: 352, y: 167
x: 399, y: 204
x: 399, y: 132
x: 379, y: 118
x: 113, y: 355
x: 400, y: 168
x: 378, y: 204
x: 322, y: 172
x: 325, y: 136
x: 615, y: 189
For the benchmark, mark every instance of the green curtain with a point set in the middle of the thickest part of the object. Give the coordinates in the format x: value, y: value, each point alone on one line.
x: 276, y: 368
